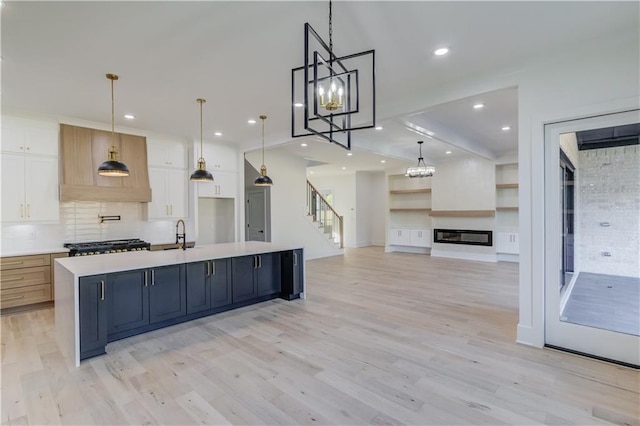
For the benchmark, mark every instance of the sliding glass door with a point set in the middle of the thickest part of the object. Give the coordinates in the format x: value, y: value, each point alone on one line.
x: 592, y: 243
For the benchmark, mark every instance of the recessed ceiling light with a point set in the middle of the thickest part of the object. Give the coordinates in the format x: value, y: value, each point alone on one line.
x: 251, y: 121
x: 379, y: 128
x: 218, y: 134
x: 298, y: 105
x: 383, y: 161
x: 303, y: 144
x: 448, y: 152
x: 478, y: 106
x: 505, y: 128
x: 311, y: 172
x: 344, y: 168
x: 441, y: 51
x: 349, y: 154
x: 129, y: 116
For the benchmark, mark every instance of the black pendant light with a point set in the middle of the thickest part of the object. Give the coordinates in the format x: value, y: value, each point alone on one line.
x: 263, y: 179
x: 113, y: 167
x: 201, y: 174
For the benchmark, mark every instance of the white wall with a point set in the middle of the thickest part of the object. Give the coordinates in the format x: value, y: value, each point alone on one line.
x: 600, y: 77
x: 464, y: 185
x: 608, y: 190
x: 343, y: 188
x: 370, y: 208
x: 289, y: 223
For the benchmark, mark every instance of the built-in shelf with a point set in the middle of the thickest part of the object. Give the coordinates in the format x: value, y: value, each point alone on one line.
x: 411, y: 191
x: 463, y: 213
x: 506, y: 185
x: 410, y: 209
x: 507, y: 208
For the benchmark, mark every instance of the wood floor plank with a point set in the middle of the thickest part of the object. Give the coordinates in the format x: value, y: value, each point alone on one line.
x: 382, y: 338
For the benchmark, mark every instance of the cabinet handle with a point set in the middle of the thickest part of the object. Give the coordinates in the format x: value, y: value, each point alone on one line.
x: 207, y: 273
x: 21, y: 210
x: 166, y: 209
x: 12, y: 279
x: 213, y: 267
x: 153, y: 277
x: 171, y: 209
x: 28, y: 208
x: 145, y: 279
x: 13, y: 297
x: 255, y: 262
x: 295, y: 259
x: 101, y: 290
x: 12, y: 263
x: 260, y: 261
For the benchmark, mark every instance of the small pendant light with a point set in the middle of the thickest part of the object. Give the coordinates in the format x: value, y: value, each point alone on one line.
x: 263, y: 179
x: 113, y: 167
x: 201, y: 174
x: 421, y: 170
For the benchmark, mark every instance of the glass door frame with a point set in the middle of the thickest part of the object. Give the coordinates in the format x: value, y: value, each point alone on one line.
x: 620, y: 347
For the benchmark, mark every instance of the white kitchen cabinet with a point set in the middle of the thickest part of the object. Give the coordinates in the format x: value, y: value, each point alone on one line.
x: 399, y: 237
x: 166, y: 154
x: 168, y: 193
x: 217, y: 156
x: 507, y: 242
x: 29, y: 188
x: 420, y: 238
x: 224, y: 185
x: 29, y: 137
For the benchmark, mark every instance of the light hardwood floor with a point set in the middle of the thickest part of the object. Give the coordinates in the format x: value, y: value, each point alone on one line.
x: 381, y: 339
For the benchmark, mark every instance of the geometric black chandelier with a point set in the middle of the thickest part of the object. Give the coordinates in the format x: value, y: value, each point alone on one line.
x: 332, y: 95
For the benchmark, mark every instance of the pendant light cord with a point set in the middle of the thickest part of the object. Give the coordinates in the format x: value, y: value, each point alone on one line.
x: 330, y: 28
x: 113, y: 115
x: 200, y: 128
x: 263, y: 118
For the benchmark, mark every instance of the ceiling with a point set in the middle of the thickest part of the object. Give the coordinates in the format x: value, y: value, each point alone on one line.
x: 239, y: 55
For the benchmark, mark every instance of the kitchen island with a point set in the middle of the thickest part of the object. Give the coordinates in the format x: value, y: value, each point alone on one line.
x: 103, y: 298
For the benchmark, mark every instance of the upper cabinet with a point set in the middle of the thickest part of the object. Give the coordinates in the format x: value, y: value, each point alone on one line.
x: 82, y: 150
x: 29, y: 171
x: 218, y: 157
x: 29, y: 137
x: 164, y: 153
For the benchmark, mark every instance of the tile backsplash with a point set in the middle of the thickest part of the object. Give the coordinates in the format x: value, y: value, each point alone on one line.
x: 79, y: 221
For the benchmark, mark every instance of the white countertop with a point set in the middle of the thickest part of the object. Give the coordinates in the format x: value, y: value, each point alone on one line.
x: 115, y: 262
x: 33, y: 251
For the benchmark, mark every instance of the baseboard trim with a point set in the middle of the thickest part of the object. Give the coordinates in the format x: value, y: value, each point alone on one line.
x: 464, y: 256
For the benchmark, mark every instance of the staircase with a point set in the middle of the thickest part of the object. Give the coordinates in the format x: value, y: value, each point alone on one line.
x: 328, y: 221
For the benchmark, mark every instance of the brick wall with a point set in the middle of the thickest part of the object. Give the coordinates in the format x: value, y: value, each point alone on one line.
x: 608, y: 191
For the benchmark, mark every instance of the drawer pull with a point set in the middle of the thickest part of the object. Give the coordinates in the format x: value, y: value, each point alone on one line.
x: 145, y: 279
x: 13, y: 297
x: 12, y: 279
x: 12, y: 263
x: 153, y: 277
x: 101, y: 290
x: 213, y: 267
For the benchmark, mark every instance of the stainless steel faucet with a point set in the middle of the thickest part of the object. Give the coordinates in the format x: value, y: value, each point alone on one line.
x: 181, y: 239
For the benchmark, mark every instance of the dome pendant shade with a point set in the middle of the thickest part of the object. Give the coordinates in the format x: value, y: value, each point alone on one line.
x: 263, y: 179
x: 112, y: 167
x: 201, y: 174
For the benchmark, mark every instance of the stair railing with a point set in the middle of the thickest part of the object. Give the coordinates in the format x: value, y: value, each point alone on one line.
x: 330, y: 221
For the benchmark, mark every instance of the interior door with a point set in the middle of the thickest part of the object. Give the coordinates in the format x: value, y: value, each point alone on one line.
x: 256, y: 215
x: 593, y: 216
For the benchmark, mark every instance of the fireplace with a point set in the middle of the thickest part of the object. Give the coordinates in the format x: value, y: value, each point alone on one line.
x: 463, y: 236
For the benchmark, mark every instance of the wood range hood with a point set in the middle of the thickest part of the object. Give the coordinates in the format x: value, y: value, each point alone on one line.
x: 82, y: 150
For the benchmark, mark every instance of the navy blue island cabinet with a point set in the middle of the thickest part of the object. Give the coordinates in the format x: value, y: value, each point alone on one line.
x: 208, y: 285
x: 136, y: 300
x: 125, y: 303
x: 93, y: 315
x: 255, y: 276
